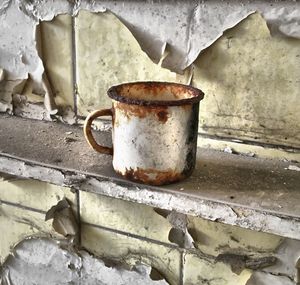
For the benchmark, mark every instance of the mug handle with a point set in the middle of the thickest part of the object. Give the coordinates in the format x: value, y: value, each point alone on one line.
x: 87, y: 128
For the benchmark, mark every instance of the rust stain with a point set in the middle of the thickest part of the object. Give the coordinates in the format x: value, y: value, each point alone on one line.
x: 130, y: 110
x: 162, y: 116
x: 152, y: 88
x: 156, y: 90
x: 155, y: 94
x: 180, y: 92
x: 152, y: 176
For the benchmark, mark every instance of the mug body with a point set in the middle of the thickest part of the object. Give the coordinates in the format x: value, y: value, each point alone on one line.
x: 155, y: 128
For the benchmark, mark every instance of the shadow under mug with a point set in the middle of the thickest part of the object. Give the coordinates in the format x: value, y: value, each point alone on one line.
x: 154, y: 131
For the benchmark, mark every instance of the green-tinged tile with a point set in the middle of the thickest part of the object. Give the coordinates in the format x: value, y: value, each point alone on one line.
x: 34, y: 194
x: 125, y: 216
x: 214, y: 238
x: 17, y: 224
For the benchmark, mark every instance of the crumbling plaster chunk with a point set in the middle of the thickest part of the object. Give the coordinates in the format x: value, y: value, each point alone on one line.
x: 43, y: 10
x: 18, y: 48
x: 7, y: 89
x: 122, y: 215
x: 44, y: 261
x: 133, y: 251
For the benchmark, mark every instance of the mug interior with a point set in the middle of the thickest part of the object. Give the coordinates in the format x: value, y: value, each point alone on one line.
x: 155, y: 93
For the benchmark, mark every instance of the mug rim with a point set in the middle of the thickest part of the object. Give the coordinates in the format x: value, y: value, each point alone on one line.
x: 115, y: 95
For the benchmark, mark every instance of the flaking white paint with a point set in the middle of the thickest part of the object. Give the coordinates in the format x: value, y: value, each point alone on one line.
x: 50, y: 262
x: 183, y: 23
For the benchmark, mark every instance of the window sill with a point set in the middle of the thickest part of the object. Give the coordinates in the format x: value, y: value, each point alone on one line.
x: 253, y: 193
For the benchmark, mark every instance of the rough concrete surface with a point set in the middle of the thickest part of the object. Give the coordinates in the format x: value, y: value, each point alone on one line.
x: 49, y: 262
x: 251, y: 192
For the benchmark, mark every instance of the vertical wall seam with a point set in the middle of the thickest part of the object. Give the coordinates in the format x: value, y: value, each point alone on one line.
x: 74, y: 67
x: 78, y: 215
x: 182, y: 254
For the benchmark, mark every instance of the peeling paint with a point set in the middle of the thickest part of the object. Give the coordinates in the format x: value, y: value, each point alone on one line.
x: 49, y: 261
x: 191, y: 27
x: 251, y: 93
x: 64, y: 221
x: 184, y: 22
x: 179, y: 232
x: 175, y: 44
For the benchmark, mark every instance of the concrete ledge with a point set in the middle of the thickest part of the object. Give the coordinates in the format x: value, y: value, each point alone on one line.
x: 249, y: 192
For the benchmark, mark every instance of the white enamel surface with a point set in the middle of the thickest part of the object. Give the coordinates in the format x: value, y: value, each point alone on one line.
x: 148, y: 143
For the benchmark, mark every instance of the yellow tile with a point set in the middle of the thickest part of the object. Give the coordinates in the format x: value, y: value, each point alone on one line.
x: 257, y: 150
x: 214, y: 238
x: 202, y: 272
x: 126, y: 249
x: 17, y: 224
x: 57, y: 57
x: 251, y: 85
x: 34, y: 194
x: 108, y: 54
x: 124, y: 216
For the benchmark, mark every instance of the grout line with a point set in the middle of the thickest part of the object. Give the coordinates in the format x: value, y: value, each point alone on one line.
x: 182, y: 256
x: 133, y: 236
x: 74, y: 68
x: 78, y: 216
x: 22, y: 207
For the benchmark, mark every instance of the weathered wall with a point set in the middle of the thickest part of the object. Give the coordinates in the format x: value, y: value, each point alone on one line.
x: 249, y: 72
x: 126, y: 233
x: 57, y: 61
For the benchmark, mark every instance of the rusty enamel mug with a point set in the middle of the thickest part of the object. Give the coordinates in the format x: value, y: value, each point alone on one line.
x: 154, y: 134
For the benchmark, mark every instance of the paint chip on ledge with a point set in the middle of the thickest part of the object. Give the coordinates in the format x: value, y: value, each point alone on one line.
x: 293, y: 167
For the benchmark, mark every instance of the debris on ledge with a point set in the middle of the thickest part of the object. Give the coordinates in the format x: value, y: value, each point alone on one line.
x: 249, y: 192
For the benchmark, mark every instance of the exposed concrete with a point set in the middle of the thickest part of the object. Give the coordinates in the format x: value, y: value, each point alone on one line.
x: 47, y: 261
